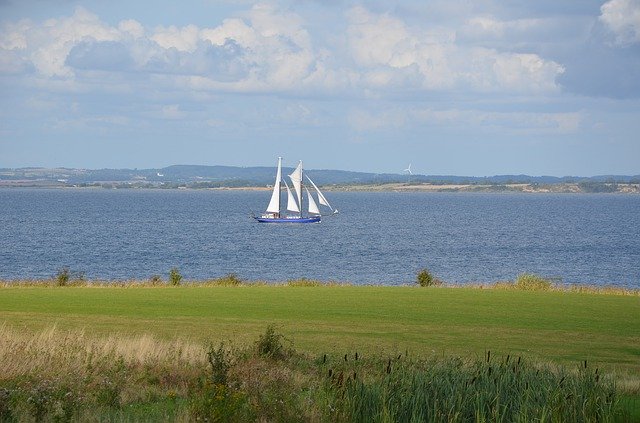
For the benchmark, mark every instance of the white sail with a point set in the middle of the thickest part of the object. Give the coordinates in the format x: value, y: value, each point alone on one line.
x: 313, y: 207
x: 321, y: 197
x: 296, y: 181
x: 274, y: 204
x: 291, y: 202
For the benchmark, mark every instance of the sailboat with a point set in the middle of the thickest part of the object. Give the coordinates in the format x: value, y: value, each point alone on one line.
x: 274, y: 214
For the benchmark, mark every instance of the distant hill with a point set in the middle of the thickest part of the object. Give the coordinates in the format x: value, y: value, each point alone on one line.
x: 232, y: 176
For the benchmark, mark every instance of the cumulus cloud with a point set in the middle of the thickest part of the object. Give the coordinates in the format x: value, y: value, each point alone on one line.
x: 182, y: 39
x: 390, y: 52
x: 268, y: 49
x: 622, y: 17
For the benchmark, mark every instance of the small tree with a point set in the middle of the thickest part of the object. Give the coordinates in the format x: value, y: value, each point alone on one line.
x: 426, y: 278
x: 174, y: 276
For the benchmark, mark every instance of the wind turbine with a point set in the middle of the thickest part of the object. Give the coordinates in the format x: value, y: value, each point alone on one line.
x: 409, y: 173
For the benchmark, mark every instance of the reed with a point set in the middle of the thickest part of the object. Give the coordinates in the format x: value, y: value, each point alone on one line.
x: 457, y: 390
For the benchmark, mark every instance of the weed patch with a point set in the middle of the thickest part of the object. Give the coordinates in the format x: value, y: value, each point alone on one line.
x: 531, y: 282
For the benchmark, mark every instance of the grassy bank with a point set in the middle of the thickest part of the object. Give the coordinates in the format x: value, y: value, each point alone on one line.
x: 556, y: 327
x: 560, y: 326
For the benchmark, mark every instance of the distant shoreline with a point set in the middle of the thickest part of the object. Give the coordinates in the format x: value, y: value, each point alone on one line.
x: 559, y: 188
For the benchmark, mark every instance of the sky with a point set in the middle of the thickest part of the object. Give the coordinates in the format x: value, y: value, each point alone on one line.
x: 452, y: 87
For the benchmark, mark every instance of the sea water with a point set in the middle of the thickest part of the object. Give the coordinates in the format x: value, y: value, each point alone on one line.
x: 377, y: 238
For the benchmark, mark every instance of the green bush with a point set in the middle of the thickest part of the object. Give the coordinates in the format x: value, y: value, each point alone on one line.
x: 217, y: 399
x: 220, y: 363
x: 5, y: 405
x: 174, y: 276
x: 230, y: 279
x: 65, y: 276
x: 270, y: 344
x: 218, y: 403
x: 532, y: 282
x: 426, y: 278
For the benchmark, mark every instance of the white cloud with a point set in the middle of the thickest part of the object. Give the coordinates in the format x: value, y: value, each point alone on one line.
x: 182, y: 39
x: 383, y: 45
x: 622, y: 17
x: 47, y: 45
x: 131, y: 27
x: 270, y: 50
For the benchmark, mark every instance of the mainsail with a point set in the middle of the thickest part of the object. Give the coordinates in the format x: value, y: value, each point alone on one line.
x: 291, y: 202
x: 313, y: 207
x: 274, y: 204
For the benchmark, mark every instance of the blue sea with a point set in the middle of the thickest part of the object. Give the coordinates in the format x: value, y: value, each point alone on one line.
x: 377, y: 238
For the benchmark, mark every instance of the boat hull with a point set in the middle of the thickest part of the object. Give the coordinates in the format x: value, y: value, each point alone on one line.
x: 313, y: 219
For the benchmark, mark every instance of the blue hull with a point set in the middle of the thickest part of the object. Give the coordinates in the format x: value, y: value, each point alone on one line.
x: 314, y: 219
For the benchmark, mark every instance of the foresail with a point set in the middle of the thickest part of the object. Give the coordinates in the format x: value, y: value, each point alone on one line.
x: 296, y: 181
x: 313, y: 207
x: 274, y: 204
x: 321, y: 197
x: 291, y: 202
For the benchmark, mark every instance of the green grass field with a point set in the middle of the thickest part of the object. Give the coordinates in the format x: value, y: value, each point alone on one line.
x: 557, y: 326
x: 148, y: 343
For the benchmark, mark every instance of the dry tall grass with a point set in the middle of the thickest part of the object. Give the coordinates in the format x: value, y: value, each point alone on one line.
x: 54, y: 352
x: 138, y: 367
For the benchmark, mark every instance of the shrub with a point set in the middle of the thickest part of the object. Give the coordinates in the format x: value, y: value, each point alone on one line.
x: 174, y: 276
x: 270, y: 344
x: 426, y: 278
x: 220, y: 364
x: 216, y: 399
x: 65, y: 276
x: 155, y: 280
x: 107, y: 393
x: 532, y: 282
x: 230, y: 279
x: 5, y: 405
x: 218, y: 403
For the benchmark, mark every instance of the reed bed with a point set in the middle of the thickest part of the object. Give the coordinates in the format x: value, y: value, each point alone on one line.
x: 457, y: 390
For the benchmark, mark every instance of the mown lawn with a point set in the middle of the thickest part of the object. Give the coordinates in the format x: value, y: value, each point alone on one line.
x: 558, y: 326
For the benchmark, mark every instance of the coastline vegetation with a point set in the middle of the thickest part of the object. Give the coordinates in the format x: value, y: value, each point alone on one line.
x: 58, y: 375
x: 424, y: 278
x: 152, y: 350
